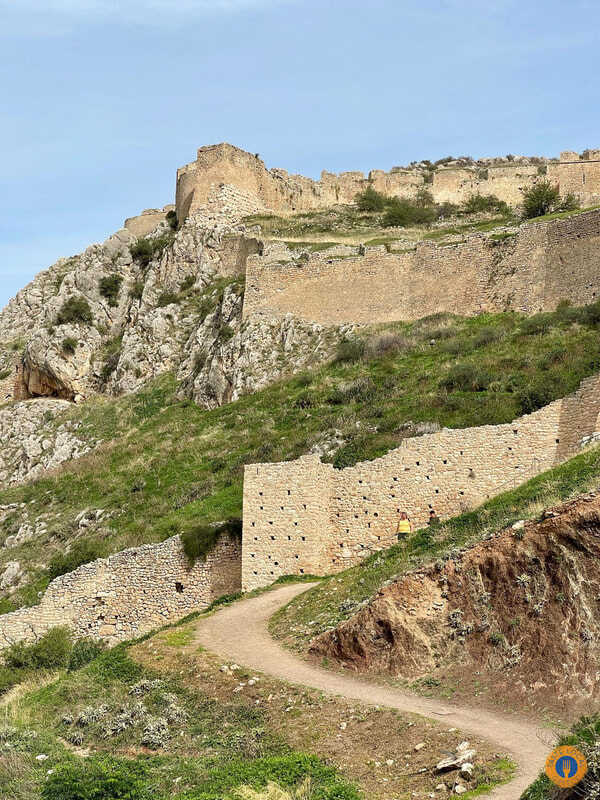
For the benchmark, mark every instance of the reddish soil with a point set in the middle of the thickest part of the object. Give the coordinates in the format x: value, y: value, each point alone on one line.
x: 516, y: 616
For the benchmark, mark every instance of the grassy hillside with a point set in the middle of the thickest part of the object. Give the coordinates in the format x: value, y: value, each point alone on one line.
x: 338, y: 597
x: 166, y: 466
x: 585, y: 735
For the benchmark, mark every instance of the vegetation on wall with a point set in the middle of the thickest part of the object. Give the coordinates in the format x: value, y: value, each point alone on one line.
x: 200, y: 540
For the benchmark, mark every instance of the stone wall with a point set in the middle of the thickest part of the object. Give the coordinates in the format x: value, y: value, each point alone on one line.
x: 129, y: 593
x: 530, y: 271
x: 304, y: 517
x: 147, y: 221
x: 200, y: 184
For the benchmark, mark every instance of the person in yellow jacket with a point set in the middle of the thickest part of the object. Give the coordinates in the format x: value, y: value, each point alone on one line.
x: 404, y: 527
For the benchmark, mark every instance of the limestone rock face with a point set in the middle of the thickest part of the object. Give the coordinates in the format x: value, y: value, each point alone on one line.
x: 35, y: 439
x: 114, y: 317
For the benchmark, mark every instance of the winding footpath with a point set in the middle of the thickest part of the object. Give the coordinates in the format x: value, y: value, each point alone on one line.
x: 239, y: 633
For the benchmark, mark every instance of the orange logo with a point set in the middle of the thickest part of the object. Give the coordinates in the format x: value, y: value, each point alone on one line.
x: 566, y: 766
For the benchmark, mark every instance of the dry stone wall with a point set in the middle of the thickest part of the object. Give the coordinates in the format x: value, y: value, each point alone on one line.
x: 129, y: 593
x: 542, y: 264
x: 223, y: 174
x: 307, y: 517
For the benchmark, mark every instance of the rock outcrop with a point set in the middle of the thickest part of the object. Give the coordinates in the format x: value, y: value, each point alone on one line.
x: 35, y: 439
x: 116, y: 316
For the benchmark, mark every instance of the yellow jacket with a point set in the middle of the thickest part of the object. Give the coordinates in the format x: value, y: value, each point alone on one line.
x: 403, y: 526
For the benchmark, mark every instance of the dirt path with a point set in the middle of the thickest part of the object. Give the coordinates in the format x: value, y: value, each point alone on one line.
x: 239, y: 633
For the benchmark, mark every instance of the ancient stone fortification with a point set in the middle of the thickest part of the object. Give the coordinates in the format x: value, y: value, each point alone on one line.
x: 129, y: 593
x: 225, y: 177
x: 305, y: 517
x: 530, y: 271
x: 147, y: 221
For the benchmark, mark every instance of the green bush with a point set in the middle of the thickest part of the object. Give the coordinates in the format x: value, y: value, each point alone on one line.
x: 536, y: 394
x: 187, y: 283
x: 112, y: 355
x: 540, y: 199
x: 370, y: 200
x: 109, y: 287
x: 166, y: 299
x: 145, y: 249
x: 82, y: 552
x: 172, y: 220
x: 137, y: 290
x: 466, y: 378
x: 477, y: 203
x: 97, y: 778
x: 349, y: 350
x: 401, y: 213
x: 69, y: 345
x: 351, y: 453
x: 84, y: 650
x: 75, y: 309
x: 199, y: 541
x: 51, y: 651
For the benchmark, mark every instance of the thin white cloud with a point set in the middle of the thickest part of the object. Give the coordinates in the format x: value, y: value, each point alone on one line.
x: 39, y: 17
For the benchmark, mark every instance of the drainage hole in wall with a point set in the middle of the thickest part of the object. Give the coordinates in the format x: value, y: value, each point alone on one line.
x: 179, y: 587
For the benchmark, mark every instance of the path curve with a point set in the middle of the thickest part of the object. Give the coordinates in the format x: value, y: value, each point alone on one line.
x: 239, y: 632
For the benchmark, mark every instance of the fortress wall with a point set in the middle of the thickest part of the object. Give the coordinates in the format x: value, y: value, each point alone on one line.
x: 451, y: 471
x: 277, y: 191
x: 129, y: 593
x: 532, y: 271
x: 286, y: 514
x: 147, y: 221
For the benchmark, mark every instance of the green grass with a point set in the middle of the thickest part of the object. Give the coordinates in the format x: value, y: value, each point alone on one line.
x: 209, y: 749
x: 585, y: 735
x: 167, y: 466
x: 561, y: 214
x: 319, y: 609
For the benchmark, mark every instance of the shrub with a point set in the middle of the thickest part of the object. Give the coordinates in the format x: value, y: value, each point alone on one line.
x: 82, y: 552
x: 84, y: 651
x: 387, y: 344
x: 538, y: 323
x: 540, y: 199
x: 370, y: 200
x: 51, y: 651
x: 137, y: 290
x: 424, y: 198
x: 199, y: 541
x: 351, y: 453
x: 172, y: 220
x: 166, y: 298
x: 109, y: 287
x: 69, y: 345
x: 400, y: 213
x: 145, y: 249
x: 96, y: 778
x: 142, y: 251
x: 187, y: 283
x: 349, y: 350
x: 569, y: 203
x: 485, y: 202
x: 466, y: 378
x: 536, y: 394
x: 75, y: 309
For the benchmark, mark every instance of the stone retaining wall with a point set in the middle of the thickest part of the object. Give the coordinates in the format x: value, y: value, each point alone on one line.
x: 304, y: 517
x: 129, y: 593
x: 530, y: 271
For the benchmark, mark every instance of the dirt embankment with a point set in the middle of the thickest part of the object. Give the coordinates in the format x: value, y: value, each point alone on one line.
x: 515, y: 616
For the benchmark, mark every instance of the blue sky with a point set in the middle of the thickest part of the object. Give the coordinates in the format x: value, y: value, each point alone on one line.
x: 103, y: 100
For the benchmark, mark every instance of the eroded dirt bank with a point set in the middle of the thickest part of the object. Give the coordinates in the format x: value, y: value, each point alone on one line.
x: 517, y: 615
